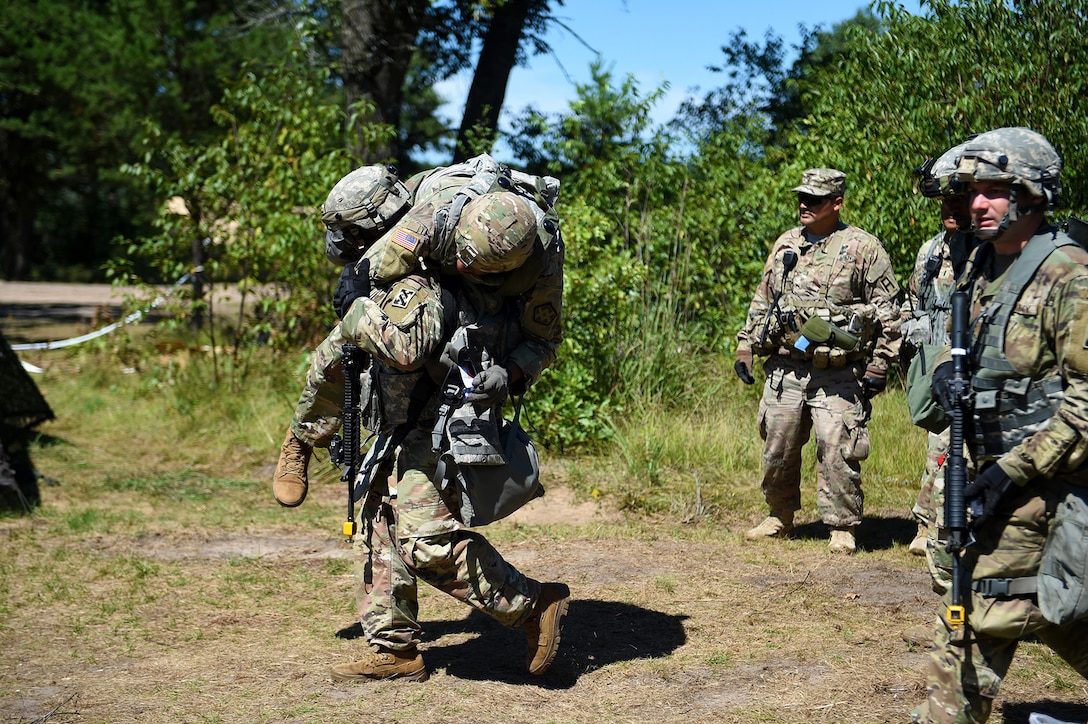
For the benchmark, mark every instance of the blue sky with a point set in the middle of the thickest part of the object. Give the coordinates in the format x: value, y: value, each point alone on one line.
x: 653, y: 40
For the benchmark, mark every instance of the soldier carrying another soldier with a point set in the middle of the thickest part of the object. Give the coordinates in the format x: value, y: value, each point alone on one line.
x: 450, y: 261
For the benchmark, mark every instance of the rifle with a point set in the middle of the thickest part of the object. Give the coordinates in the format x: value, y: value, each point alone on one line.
x: 789, y: 261
x: 956, y: 476
x: 351, y: 359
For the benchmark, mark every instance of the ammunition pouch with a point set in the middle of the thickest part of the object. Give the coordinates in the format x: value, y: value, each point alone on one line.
x: 827, y: 344
x: 782, y: 331
x: 385, y: 394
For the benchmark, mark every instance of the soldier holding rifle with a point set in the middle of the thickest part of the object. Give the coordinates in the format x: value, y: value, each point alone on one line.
x: 1026, y: 362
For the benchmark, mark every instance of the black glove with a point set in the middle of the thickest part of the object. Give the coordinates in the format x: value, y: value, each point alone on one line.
x: 743, y: 373
x: 743, y: 366
x: 354, y: 283
x: 873, y: 386
x: 985, y: 493
x: 941, y: 380
x: 874, y: 382
x: 489, y: 387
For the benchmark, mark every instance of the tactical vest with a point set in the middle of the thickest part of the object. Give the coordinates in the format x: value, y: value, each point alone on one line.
x: 1010, y: 407
x: 785, y: 326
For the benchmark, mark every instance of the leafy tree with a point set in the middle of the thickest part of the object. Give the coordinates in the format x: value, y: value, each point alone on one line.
x: 253, y: 198
x: 759, y: 83
x: 923, y: 84
x: 394, y: 53
x: 76, y: 78
x: 640, y: 309
x: 500, y: 51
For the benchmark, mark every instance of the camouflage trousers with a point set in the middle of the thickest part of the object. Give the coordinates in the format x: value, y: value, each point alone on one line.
x: 929, y: 510
x: 967, y: 665
x: 320, y: 407
x: 407, y: 534
x: 798, y: 400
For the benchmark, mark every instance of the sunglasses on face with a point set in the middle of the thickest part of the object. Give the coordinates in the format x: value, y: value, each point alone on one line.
x: 811, y: 201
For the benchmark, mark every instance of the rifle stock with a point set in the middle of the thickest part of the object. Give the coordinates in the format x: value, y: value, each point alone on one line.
x: 955, y: 512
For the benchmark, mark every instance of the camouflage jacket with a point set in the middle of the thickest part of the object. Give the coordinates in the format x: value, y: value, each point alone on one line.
x: 1046, y: 336
x: 924, y: 314
x: 848, y: 271
x: 535, y: 290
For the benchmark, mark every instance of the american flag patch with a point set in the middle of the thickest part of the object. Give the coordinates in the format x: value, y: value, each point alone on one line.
x: 407, y: 239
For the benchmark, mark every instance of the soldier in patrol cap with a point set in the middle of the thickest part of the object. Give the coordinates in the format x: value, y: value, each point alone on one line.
x: 833, y: 282
x: 1028, y: 428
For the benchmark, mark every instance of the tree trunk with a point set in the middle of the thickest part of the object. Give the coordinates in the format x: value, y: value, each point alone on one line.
x: 17, y: 204
x: 379, y: 38
x: 480, y: 122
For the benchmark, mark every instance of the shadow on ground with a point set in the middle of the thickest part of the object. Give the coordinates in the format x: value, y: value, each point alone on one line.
x: 595, y: 634
x: 874, y: 533
x: 1059, y: 710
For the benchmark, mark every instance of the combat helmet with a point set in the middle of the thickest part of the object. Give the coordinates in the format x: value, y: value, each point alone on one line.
x: 1018, y: 156
x: 360, y: 208
x: 495, y: 233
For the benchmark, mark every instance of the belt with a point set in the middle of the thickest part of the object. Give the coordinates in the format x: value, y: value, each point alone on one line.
x: 994, y: 587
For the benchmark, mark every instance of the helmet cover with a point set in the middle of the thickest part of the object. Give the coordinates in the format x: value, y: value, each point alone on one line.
x: 496, y: 232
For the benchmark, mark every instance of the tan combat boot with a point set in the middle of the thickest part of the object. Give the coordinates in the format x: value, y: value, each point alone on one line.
x: 918, y: 545
x: 776, y: 525
x: 383, y: 663
x: 542, y: 626
x: 289, y: 482
x: 842, y: 540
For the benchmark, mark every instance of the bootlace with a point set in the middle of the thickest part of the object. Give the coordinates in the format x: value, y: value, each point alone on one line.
x: 294, y: 459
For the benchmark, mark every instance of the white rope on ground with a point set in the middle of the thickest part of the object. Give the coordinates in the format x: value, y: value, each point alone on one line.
x: 135, y: 316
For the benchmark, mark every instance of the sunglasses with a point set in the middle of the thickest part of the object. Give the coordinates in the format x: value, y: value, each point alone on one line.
x: 811, y: 201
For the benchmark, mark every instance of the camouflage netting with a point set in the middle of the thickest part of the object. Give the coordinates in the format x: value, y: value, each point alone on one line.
x: 21, y: 405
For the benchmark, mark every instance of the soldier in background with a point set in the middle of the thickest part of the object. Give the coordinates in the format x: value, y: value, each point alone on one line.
x: 823, y: 271
x: 940, y: 261
x: 1028, y: 431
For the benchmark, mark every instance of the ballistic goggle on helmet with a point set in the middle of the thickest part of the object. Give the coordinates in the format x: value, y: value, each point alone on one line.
x: 360, y: 208
x: 939, y: 174
x: 495, y: 233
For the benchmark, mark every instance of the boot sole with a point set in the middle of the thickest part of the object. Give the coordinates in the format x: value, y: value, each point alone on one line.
x: 285, y: 504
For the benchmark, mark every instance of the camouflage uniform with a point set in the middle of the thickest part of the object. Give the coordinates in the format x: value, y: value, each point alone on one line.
x: 398, y: 324
x: 411, y: 243
x: 411, y: 530
x: 318, y: 411
x: 844, y: 274
x: 1045, y: 336
x: 926, y: 309
x: 1029, y: 363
